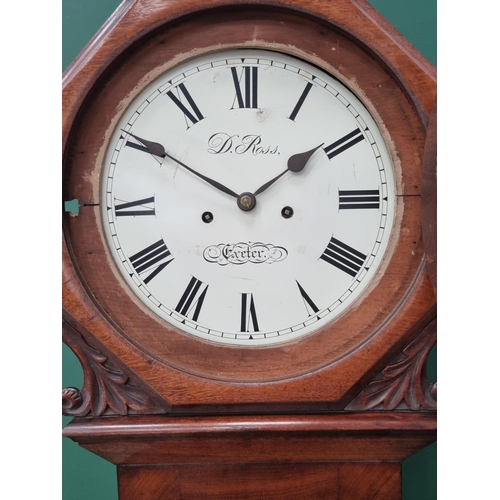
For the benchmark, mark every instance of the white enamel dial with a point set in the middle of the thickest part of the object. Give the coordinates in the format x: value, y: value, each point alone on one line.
x: 202, y: 257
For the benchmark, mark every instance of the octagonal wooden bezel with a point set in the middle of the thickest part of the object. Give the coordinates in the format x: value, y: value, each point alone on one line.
x: 324, y: 366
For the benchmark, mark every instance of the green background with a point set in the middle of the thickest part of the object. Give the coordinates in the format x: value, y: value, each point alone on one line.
x: 88, y: 477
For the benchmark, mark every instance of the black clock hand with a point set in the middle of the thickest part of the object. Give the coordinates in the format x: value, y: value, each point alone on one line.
x: 152, y: 147
x: 269, y: 183
x: 296, y: 163
x: 158, y: 150
x: 213, y: 183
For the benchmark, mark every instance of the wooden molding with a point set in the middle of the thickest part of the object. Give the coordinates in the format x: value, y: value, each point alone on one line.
x: 254, y: 438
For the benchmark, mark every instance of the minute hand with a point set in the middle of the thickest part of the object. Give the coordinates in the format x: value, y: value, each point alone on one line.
x: 213, y: 183
x: 158, y: 150
x: 296, y: 163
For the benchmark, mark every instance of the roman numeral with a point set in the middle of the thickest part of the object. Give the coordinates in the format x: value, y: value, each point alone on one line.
x: 344, y: 143
x: 152, y: 260
x: 301, y: 100
x: 190, y: 110
x: 359, y: 199
x: 191, y: 298
x: 135, y: 208
x: 343, y: 257
x: 310, y: 305
x: 246, y: 86
x: 248, y: 314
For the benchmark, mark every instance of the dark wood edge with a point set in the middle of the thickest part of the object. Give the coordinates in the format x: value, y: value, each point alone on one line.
x: 157, y: 427
x: 429, y: 199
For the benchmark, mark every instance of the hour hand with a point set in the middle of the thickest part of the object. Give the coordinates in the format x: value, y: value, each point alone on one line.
x: 152, y: 147
x: 296, y: 163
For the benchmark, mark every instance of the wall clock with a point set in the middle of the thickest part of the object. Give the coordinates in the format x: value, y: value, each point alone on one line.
x: 242, y: 242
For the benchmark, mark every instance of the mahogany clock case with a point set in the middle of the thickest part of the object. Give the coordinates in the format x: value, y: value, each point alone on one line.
x: 329, y: 365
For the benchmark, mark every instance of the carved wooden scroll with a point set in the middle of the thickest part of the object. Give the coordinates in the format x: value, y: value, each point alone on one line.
x: 403, y: 384
x: 108, y: 388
